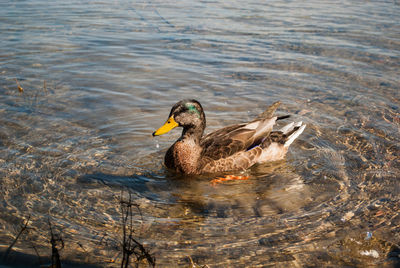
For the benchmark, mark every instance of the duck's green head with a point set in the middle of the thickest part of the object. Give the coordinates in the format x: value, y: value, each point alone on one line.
x: 188, y: 114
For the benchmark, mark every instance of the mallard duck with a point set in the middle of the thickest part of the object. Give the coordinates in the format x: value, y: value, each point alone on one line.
x: 232, y: 148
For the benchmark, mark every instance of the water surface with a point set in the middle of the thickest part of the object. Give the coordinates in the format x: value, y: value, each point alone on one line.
x: 99, y: 77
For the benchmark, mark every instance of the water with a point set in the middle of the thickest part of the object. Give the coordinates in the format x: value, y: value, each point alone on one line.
x: 99, y: 77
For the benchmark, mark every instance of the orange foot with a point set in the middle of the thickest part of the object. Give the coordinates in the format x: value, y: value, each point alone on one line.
x: 214, y: 182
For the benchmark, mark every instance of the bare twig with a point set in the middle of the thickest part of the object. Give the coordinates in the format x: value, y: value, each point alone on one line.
x: 194, y: 265
x: 37, y: 253
x: 130, y: 246
x: 20, y: 89
x: 55, y: 256
x: 81, y: 246
x: 45, y: 87
x: 23, y: 228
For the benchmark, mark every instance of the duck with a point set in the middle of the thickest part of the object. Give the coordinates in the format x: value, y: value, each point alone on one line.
x: 232, y: 148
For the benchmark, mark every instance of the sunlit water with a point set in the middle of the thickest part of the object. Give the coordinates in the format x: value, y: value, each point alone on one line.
x: 99, y: 77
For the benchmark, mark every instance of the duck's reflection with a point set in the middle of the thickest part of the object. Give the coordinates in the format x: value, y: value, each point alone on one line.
x: 270, y: 190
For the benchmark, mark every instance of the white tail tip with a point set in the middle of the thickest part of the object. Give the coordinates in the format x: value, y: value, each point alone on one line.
x: 295, y: 134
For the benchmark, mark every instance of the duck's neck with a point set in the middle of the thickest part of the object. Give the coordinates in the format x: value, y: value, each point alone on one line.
x: 192, y: 134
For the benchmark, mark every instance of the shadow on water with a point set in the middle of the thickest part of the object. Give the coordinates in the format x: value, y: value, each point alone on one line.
x: 22, y: 260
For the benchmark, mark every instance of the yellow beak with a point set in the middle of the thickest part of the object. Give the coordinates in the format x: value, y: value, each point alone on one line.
x: 169, y: 125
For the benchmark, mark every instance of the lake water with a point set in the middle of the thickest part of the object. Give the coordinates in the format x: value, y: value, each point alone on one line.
x: 98, y: 77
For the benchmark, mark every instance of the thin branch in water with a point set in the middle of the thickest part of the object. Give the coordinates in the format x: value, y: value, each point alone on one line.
x: 20, y: 89
x: 163, y: 19
x: 101, y: 240
x: 130, y: 246
x: 55, y: 255
x: 81, y: 246
x: 37, y: 253
x: 194, y: 265
x: 45, y: 87
x: 23, y: 228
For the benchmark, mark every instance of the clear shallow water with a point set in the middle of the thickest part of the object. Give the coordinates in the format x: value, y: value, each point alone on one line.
x: 114, y: 69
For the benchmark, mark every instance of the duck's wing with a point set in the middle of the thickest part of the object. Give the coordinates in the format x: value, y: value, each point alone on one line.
x: 227, y: 141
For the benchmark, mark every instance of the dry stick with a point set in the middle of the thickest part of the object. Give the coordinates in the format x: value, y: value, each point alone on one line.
x: 81, y: 246
x: 55, y: 256
x: 123, y: 232
x: 194, y: 265
x: 45, y: 87
x: 128, y: 250
x: 37, y: 253
x: 191, y: 262
x: 20, y: 89
x: 101, y: 240
x: 143, y: 254
x: 16, y: 238
x: 129, y: 244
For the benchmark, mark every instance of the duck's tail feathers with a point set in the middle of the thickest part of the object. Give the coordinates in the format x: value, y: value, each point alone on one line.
x: 287, y: 128
x: 292, y: 131
x: 282, y: 117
